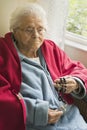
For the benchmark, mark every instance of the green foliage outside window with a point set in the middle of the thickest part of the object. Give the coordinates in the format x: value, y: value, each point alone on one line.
x: 77, y: 19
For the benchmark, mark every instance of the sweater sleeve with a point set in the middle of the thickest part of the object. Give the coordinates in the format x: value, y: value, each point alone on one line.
x: 36, y: 107
x: 81, y: 93
x: 37, y: 111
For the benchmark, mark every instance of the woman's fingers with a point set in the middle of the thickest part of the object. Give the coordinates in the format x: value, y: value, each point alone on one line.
x: 54, y: 116
x: 66, y: 84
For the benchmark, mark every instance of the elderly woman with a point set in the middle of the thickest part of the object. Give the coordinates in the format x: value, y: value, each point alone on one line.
x: 44, y: 75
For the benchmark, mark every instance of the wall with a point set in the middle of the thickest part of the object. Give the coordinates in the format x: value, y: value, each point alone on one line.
x: 76, y: 53
x: 6, y: 8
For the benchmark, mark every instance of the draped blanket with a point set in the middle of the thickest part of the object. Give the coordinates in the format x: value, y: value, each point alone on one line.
x: 12, y: 107
x: 59, y: 64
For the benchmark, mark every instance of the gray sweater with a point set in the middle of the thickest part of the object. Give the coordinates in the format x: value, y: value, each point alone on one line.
x: 39, y: 95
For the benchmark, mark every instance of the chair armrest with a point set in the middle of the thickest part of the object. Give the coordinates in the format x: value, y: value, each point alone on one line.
x: 82, y: 105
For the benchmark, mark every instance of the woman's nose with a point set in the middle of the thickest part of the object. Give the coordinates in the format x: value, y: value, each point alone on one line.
x: 35, y: 33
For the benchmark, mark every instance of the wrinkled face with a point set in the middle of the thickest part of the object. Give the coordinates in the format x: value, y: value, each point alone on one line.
x: 30, y: 34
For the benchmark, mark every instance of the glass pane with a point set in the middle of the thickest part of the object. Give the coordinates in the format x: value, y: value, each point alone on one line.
x: 77, y: 17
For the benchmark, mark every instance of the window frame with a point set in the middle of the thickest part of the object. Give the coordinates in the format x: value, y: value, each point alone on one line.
x: 75, y: 40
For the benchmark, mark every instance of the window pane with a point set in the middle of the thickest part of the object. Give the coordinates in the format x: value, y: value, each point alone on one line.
x: 77, y: 18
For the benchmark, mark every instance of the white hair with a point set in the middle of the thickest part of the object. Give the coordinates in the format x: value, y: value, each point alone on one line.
x: 27, y: 10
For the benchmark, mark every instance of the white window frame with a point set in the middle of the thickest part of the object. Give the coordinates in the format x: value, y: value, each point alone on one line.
x: 75, y: 40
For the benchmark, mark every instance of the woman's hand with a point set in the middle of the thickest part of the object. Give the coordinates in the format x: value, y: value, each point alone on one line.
x: 68, y: 83
x: 54, y: 116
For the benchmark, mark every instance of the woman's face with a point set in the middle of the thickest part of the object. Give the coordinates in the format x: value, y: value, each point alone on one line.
x: 30, y: 34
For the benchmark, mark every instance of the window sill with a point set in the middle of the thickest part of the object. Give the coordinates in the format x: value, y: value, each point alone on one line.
x: 76, y: 41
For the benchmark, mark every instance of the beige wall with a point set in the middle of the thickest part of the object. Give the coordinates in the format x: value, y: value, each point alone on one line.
x: 76, y: 54
x: 6, y: 8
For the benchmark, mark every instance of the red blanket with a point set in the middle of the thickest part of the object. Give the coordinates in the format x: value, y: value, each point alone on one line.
x: 11, y: 107
x: 59, y: 64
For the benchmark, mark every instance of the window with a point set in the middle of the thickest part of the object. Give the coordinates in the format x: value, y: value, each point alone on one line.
x: 77, y: 18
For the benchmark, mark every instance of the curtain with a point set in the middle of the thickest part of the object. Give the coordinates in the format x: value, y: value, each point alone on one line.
x: 57, y: 11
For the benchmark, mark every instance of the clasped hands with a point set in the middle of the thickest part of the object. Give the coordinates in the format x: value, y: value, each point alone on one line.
x: 67, y: 85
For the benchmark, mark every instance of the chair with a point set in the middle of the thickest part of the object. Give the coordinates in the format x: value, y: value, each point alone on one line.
x: 82, y: 105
